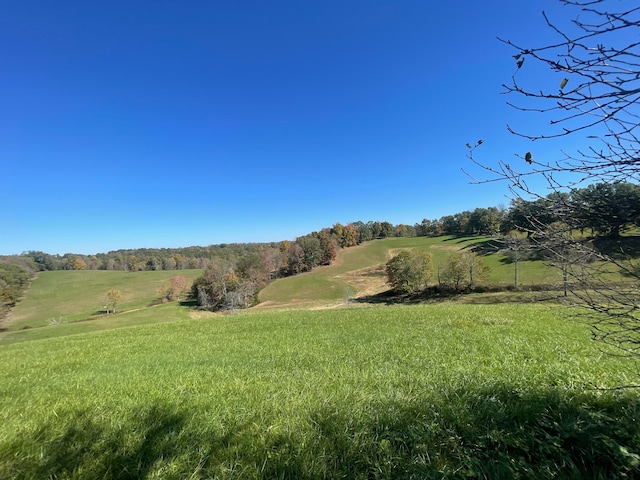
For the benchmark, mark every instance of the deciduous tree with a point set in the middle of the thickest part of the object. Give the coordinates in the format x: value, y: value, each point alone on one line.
x: 463, y: 271
x: 76, y: 263
x: 112, y: 300
x: 211, y: 288
x: 178, y: 286
x: 409, y: 271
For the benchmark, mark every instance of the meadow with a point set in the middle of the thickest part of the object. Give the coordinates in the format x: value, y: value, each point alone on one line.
x: 66, y: 296
x: 310, y: 386
x: 359, y: 271
x: 438, y: 391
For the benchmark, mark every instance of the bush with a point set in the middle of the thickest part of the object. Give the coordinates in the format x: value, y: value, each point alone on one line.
x: 410, y: 271
x: 463, y: 271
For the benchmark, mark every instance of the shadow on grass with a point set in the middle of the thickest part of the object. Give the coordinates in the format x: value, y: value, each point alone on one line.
x: 84, y: 447
x: 390, y: 297
x: 480, y: 295
x: 144, y: 446
x: 619, y: 248
x: 191, y: 303
x: 495, y: 432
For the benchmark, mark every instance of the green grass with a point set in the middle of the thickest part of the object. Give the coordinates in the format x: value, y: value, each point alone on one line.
x: 326, y: 285
x: 168, y: 312
x: 76, y: 298
x: 70, y: 296
x: 430, y: 391
x: 440, y: 390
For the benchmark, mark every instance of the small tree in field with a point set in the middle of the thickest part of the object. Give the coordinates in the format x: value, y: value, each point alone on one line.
x: 178, y: 286
x: 463, y: 271
x: 112, y: 299
x: 516, y: 247
x: 409, y: 271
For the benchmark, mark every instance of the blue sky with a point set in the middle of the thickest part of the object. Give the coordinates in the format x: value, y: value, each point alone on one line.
x: 169, y: 124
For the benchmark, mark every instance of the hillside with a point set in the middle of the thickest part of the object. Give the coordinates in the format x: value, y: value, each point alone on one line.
x: 65, y: 302
x: 359, y: 271
x: 65, y: 296
x: 290, y: 389
x: 424, y: 391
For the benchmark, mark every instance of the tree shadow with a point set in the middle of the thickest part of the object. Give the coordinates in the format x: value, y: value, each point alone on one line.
x: 483, y: 247
x: 619, y: 248
x: 190, y: 303
x: 390, y: 297
x: 480, y: 294
x: 495, y: 432
x: 492, y: 432
x: 83, y: 447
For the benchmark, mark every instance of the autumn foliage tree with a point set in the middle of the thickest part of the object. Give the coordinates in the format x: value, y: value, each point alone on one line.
x: 211, y: 288
x: 76, y: 263
x: 328, y: 247
x: 221, y: 287
x: 112, y: 299
x: 178, y: 286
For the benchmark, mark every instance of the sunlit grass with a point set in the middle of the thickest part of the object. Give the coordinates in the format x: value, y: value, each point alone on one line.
x: 440, y: 391
x: 169, y: 312
x: 67, y: 296
x: 325, y: 284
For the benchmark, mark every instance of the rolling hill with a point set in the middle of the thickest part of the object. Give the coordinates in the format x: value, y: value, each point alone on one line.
x: 65, y: 302
x: 294, y: 389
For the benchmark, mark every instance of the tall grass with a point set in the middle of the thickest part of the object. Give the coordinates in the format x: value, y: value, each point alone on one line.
x: 441, y: 391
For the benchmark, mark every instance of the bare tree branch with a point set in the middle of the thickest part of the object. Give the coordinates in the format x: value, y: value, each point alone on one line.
x: 598, y: 99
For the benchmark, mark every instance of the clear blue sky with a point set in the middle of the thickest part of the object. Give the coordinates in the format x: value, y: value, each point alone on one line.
x: 168, y: 124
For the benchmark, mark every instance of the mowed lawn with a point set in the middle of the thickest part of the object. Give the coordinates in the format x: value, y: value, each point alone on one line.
x: 427, y: 391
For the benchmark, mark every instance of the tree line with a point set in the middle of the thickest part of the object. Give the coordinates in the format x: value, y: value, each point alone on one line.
x: 234, y: 273
x: 603, y: 209
x: 16, y: 272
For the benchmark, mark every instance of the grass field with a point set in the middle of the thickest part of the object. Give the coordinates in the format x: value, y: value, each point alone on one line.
x: 304, y: 391
x: 360, y: 271
x: 69, y: 302
x: 437, y: 391
x: 71, y: 295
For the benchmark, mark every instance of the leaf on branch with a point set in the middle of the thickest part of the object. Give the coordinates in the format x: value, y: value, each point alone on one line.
x: 563, y: 83
x: 520, y: 62
x: 480, y: 142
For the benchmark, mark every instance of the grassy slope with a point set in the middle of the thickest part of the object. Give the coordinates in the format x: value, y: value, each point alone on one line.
x: 69, y: 296
x: 75, y: 296
x: 425, y: 391
x: 430, y: 391
x: 348, y: 276
x: 168, y: 312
